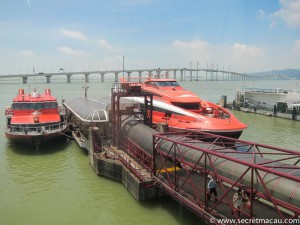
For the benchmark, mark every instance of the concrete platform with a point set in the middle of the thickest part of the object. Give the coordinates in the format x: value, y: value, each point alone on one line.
x: 109, y: 164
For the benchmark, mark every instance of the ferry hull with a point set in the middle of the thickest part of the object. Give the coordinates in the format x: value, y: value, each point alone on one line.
x: 35, y: 140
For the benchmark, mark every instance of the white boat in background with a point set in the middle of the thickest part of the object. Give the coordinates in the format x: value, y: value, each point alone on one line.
x: 277, y: 101
x: 267, y: 96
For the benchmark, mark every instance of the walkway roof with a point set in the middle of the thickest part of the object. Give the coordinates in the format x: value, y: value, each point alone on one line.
x: 89, y: 109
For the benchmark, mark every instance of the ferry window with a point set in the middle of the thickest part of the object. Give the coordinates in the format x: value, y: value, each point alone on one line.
x: 151, y: 83
x: 47, y: 105
x: 24, y: 106
x: 53, y: 105
x: 162, y: 83
x: 35, y: 106
x: 39, y: 106
x: 16, y: 106
x: 173, y: 83
x: 32, y: 106
x: 189, y: 106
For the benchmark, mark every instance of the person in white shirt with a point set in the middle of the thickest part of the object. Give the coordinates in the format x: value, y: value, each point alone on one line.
x: 212, y: 186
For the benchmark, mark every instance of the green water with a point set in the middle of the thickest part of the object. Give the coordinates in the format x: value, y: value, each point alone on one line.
x: 56, y: 185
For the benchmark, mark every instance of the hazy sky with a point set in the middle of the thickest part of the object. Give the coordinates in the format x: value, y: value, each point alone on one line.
x: 77, y: 35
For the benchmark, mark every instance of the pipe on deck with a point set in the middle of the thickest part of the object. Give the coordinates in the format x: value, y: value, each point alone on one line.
x: 281, y: 188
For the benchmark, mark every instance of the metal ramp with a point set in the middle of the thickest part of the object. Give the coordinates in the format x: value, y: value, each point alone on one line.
x: 271, y: 175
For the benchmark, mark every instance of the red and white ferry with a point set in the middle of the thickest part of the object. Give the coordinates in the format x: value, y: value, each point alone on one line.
x: 181, y: 109
x: 35, y: 118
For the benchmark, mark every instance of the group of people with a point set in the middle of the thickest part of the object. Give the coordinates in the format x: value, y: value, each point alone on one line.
x: 241, y: 199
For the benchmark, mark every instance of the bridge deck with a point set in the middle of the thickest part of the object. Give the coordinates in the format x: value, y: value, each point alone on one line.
x: 271, y: 174
x: 221, y: 208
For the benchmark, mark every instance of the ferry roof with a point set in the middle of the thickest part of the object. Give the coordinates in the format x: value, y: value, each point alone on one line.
x: 88, y: 109
x: 34, y: 97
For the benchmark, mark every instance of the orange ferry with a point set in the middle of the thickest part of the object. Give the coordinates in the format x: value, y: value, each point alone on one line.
x: 35, y: 118
x: 181, y: 109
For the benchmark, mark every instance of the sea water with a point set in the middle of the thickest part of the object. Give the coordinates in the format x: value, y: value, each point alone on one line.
x: 56, y: 184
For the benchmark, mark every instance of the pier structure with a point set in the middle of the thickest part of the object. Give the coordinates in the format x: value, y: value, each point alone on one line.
x: 151, y: 164
x: 185, y: 75
x: 123, y: 90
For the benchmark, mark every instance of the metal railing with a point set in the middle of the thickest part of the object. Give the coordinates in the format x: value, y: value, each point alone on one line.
x: 35, y: 130
x: 260, y: 170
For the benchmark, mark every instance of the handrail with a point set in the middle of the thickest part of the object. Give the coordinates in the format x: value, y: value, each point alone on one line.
x: 41, y: 129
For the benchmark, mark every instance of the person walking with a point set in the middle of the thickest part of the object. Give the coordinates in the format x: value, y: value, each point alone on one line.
x: 212, y: 186
x: 246, y: 202
x: 238, y: 201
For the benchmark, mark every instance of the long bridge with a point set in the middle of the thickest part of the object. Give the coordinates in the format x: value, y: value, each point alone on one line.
x: 184, y: 73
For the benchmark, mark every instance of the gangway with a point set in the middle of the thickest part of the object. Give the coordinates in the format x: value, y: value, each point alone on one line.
x: 181, y: 163
x: 269, y: 174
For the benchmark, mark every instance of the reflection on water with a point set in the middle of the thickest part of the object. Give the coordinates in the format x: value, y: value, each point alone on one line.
x: 56, y: 185
x: 273, y: 131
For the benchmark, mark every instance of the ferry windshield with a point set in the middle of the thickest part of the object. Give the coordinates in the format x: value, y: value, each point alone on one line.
x: 34, y: 106
x: 162, y: 83
x: 166, y: 83
x: 173, y: 83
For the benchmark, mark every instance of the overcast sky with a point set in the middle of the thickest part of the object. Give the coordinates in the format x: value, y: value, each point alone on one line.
x: 77, y: 35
